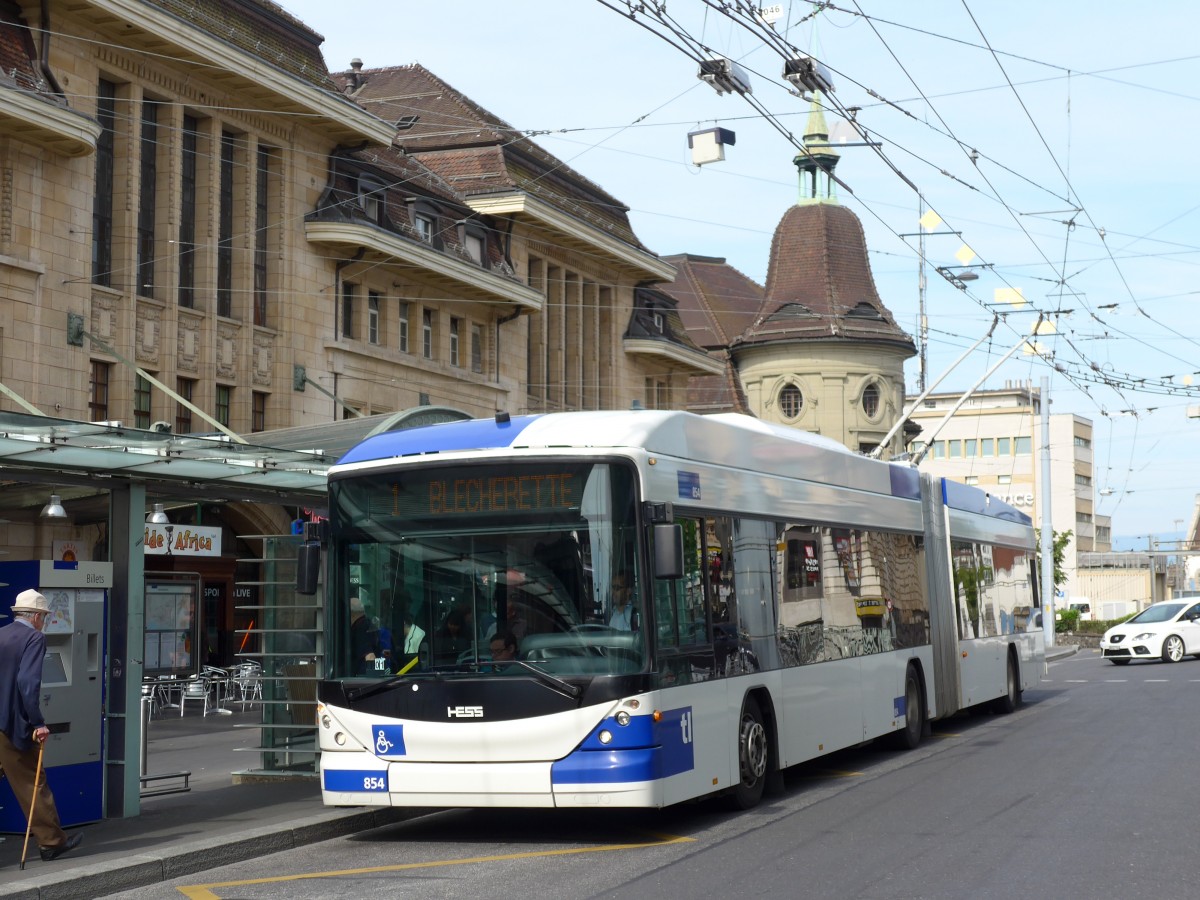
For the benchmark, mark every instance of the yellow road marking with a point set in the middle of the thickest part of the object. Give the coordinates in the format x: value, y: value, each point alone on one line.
x: 837, y: 773
x: 204, y: 891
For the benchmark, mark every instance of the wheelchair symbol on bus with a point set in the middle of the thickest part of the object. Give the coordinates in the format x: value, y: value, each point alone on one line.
x: 382, y: 744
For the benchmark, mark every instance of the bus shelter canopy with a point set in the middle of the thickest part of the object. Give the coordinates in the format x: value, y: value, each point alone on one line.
x: 86, y: 458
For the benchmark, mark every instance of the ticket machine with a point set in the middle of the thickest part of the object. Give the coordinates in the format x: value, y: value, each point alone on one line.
x: 72, y: 683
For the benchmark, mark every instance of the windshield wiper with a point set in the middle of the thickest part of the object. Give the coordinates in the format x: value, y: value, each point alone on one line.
x: 372, y: 689
x: 553, y: 681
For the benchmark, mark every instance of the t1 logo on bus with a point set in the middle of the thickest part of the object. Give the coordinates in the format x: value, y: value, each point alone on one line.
x: 677, y: 737
x: 685, y: 727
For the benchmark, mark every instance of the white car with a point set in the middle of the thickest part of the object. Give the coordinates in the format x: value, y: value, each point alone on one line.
x: 1169, y: 631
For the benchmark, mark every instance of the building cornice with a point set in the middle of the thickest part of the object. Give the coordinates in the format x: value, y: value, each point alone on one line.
x: 56, y: 128
x: 697, y: 360
x: 647, y: 265
x: 498, y: 288
x: 349, y: 118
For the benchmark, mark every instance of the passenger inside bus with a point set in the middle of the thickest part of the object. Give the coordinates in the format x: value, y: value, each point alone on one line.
x: 509, y: 606
x: 622, y: 609
x: 503, y: 648
x: 364, y: 639
x: 453, y: 638
x: 413, y: 636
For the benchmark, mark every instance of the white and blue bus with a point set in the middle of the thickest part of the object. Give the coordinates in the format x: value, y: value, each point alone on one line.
x: 640, y: 608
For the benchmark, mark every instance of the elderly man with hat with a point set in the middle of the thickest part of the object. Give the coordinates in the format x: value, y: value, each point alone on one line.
x: 22, y: 649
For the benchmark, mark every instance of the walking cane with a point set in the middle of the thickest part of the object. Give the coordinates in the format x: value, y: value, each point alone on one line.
x: 33, y: 802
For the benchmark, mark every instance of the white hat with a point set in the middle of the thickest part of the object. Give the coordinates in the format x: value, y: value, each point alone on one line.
x: 31, y: 601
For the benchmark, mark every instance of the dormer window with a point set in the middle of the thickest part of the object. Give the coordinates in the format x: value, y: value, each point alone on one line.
x: 658, y: 322
x: 425, y: 226
x: 473, y: 244
x: 473, y: 240
x: 371, y: 197
x: 863, y: 310
x: 425, y: 222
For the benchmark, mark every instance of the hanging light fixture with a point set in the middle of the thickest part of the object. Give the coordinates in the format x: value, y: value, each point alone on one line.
x: 54, y: 509
x: 158, y: 517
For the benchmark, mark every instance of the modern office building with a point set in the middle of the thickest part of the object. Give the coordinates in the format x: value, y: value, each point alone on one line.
x: 993, y: 441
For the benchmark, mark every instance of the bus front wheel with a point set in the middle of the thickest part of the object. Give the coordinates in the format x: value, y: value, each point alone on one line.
x: 753, y: 756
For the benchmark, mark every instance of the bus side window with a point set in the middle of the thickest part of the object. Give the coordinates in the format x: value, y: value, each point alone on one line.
x: 679, y: 603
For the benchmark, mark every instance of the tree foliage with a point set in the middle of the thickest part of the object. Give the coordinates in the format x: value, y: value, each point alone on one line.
x: 1059, y: 541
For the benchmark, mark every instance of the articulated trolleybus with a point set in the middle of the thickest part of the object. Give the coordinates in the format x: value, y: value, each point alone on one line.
x: 640, y: 608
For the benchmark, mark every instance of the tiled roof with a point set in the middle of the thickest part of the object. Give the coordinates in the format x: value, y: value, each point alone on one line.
x: 472, y: 170
x: 708, y: 394
x: 401, y: 182
x: 819, y: 284
x: 261, y: 28
x: 448, y: 124
x: 716, y: 301
x: 410, y: 175
x: 18, y: 67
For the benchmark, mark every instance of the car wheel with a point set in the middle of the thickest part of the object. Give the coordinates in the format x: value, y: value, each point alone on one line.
x: 1012, y: 690
x: 909, y: 737
x: 1119, y: 662
x: 1172, y: 648
x: 753, y: 756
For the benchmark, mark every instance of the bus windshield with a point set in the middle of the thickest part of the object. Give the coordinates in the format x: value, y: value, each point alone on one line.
x: 486, y: 570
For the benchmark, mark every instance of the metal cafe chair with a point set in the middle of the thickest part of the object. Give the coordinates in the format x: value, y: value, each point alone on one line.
x: 219, y: 683
x: 247, y: 678
x: 150, y: 693
x: 194, y: 689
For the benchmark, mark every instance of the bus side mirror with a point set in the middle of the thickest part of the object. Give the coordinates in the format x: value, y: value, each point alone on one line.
x: 308, y: 567
x: 668, y: 551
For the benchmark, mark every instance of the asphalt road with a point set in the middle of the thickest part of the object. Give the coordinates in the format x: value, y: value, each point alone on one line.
x: 1088, y: 790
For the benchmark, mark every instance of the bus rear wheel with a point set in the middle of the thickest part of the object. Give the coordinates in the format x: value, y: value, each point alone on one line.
x: 1011, y: 698
x: 909, y: 737
x: 753, y: 756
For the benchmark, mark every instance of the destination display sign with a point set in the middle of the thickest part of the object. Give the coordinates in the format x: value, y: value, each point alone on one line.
x: 527, y: 491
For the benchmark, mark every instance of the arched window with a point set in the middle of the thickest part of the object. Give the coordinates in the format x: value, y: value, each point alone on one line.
x: 791, y: 401
x: 870, y: 400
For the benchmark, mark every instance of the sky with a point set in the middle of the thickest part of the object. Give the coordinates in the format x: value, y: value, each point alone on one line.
x: 1054, y: 142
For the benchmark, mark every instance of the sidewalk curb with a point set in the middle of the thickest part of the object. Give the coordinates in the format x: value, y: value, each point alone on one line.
x: 1061, y: 651
x: 145, y: 869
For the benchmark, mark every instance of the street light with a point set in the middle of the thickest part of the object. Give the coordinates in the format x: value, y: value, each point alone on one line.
x: 959, y: 275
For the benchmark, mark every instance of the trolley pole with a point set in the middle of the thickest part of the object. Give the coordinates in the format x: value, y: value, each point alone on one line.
x: 1047, y: 531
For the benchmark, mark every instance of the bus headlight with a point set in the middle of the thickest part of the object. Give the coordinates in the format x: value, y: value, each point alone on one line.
x: 622, y: 718
x: 340, y: 739
x: 605, y: 736
x: 326, y: 721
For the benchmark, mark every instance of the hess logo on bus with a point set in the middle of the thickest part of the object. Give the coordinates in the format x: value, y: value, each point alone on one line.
x: 464, y: 712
